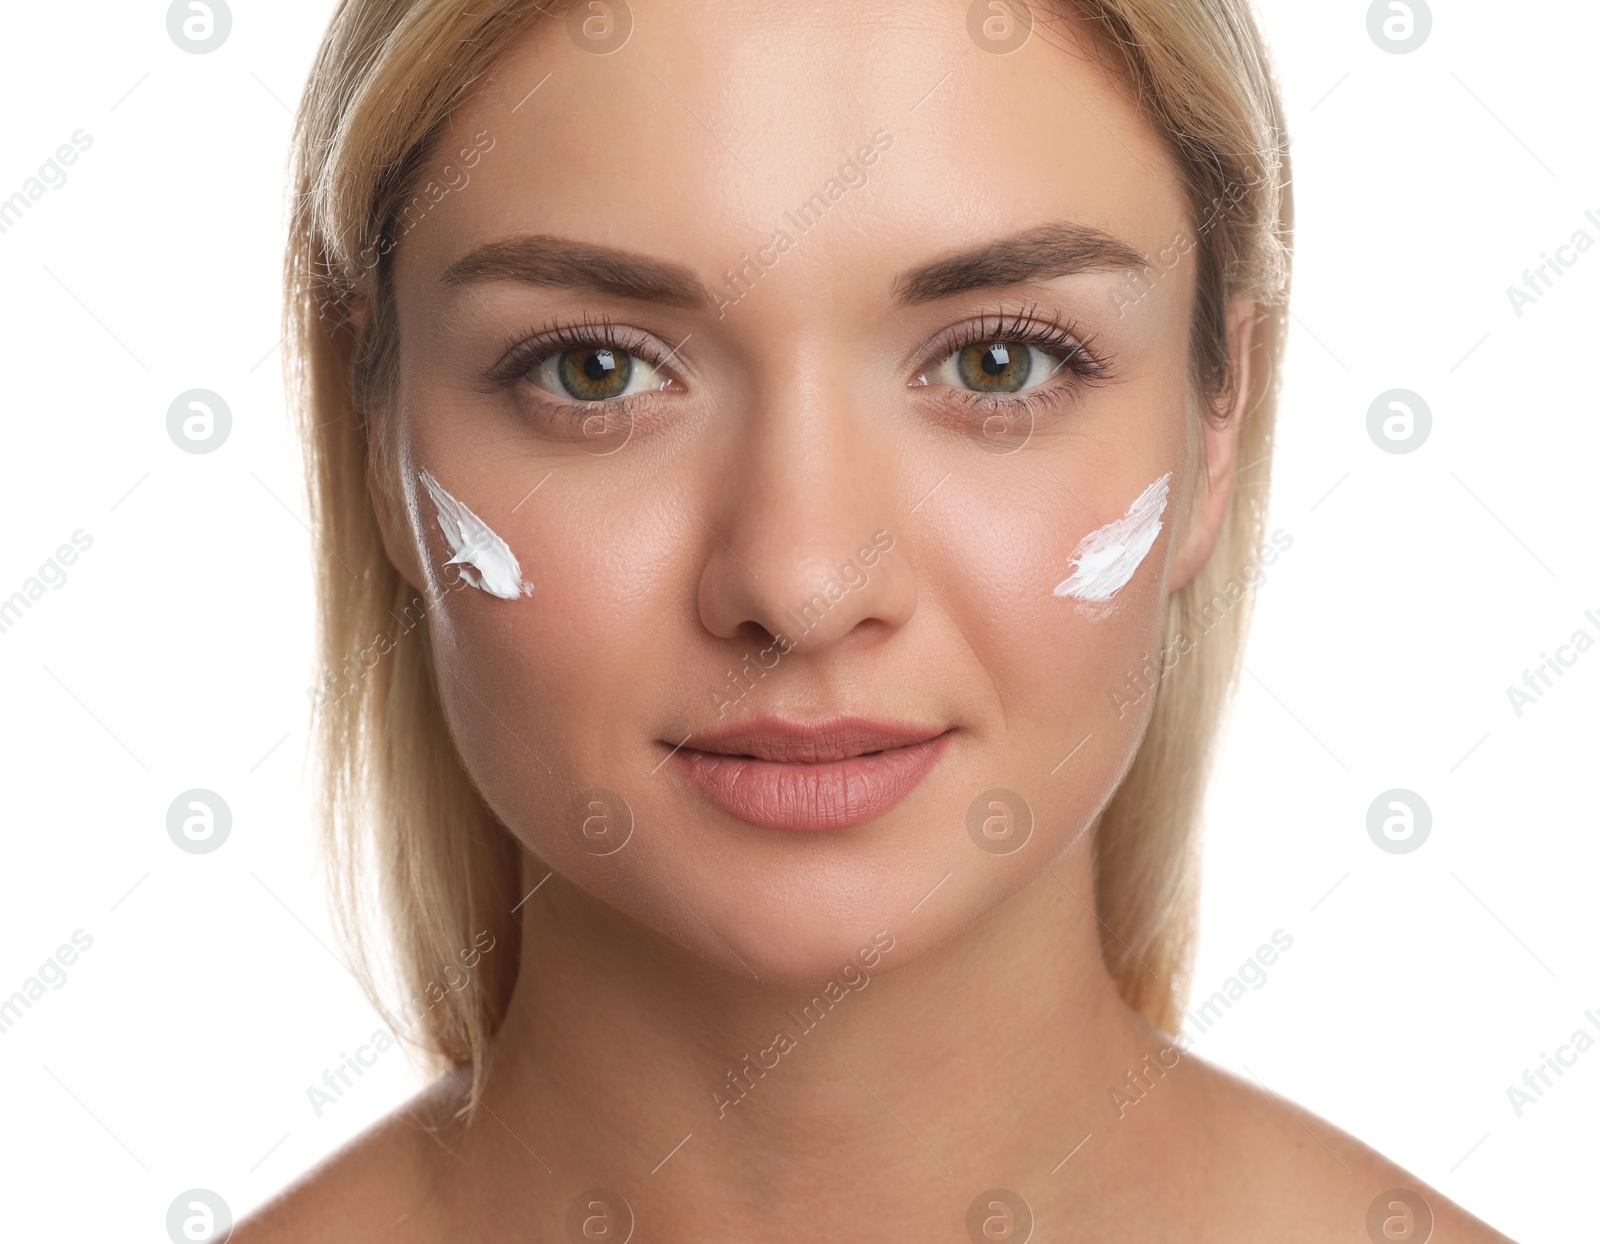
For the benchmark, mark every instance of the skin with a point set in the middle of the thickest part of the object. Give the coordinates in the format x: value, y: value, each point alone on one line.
x: 791, y: 431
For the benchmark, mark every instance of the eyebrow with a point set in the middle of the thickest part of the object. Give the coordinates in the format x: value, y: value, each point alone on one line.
x: 546, y: 260
x: 1037, y: 254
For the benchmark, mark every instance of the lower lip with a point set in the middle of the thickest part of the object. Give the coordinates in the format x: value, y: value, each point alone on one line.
x: 836, y: 794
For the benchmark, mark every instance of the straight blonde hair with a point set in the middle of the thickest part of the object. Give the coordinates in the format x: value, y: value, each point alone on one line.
x: 412, y: 846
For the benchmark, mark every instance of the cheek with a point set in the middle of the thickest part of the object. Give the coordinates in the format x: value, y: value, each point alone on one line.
x: 1059, y: 666
x: 556, y: 673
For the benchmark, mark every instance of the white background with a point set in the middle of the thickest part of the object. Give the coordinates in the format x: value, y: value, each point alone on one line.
x: 1419, y: 586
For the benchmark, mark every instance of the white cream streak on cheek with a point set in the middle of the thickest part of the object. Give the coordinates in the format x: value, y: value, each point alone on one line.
x: 1105, y: 560
x: 485, y: 559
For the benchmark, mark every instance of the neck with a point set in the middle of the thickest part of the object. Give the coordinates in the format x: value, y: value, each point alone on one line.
x: 714, y: 1101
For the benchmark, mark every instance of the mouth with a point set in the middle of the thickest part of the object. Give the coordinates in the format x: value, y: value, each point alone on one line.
x: 807, y: 776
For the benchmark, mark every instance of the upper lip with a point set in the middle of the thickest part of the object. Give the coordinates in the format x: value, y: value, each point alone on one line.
x: 811, y: 742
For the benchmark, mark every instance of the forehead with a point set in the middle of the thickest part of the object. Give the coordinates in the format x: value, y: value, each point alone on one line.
x: 712, y: 126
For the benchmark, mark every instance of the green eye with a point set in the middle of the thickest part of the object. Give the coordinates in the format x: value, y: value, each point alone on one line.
x: 995, y: 367
x: 594, y: 374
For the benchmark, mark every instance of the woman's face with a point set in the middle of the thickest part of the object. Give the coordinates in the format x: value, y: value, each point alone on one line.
x: 793, y: 355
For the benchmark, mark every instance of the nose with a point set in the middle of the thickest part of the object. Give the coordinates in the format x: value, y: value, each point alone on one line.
x: 812, y: 541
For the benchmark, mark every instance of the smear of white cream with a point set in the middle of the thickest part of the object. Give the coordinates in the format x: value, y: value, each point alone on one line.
x: 485, y: 559
x: 1105, y: 559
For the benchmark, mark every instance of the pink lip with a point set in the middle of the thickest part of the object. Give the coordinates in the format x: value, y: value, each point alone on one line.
x: 829, y: 774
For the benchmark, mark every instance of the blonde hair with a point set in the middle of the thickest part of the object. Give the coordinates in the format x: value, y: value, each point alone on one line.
x: 398, y: 803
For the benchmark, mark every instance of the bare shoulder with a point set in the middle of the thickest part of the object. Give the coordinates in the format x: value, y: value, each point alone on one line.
x: 376, y: 1187
x: 1294, y: 1175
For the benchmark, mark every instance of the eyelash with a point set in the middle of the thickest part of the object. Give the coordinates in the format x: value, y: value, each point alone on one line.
x: 1085, y: 365
x: 556, y: 336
